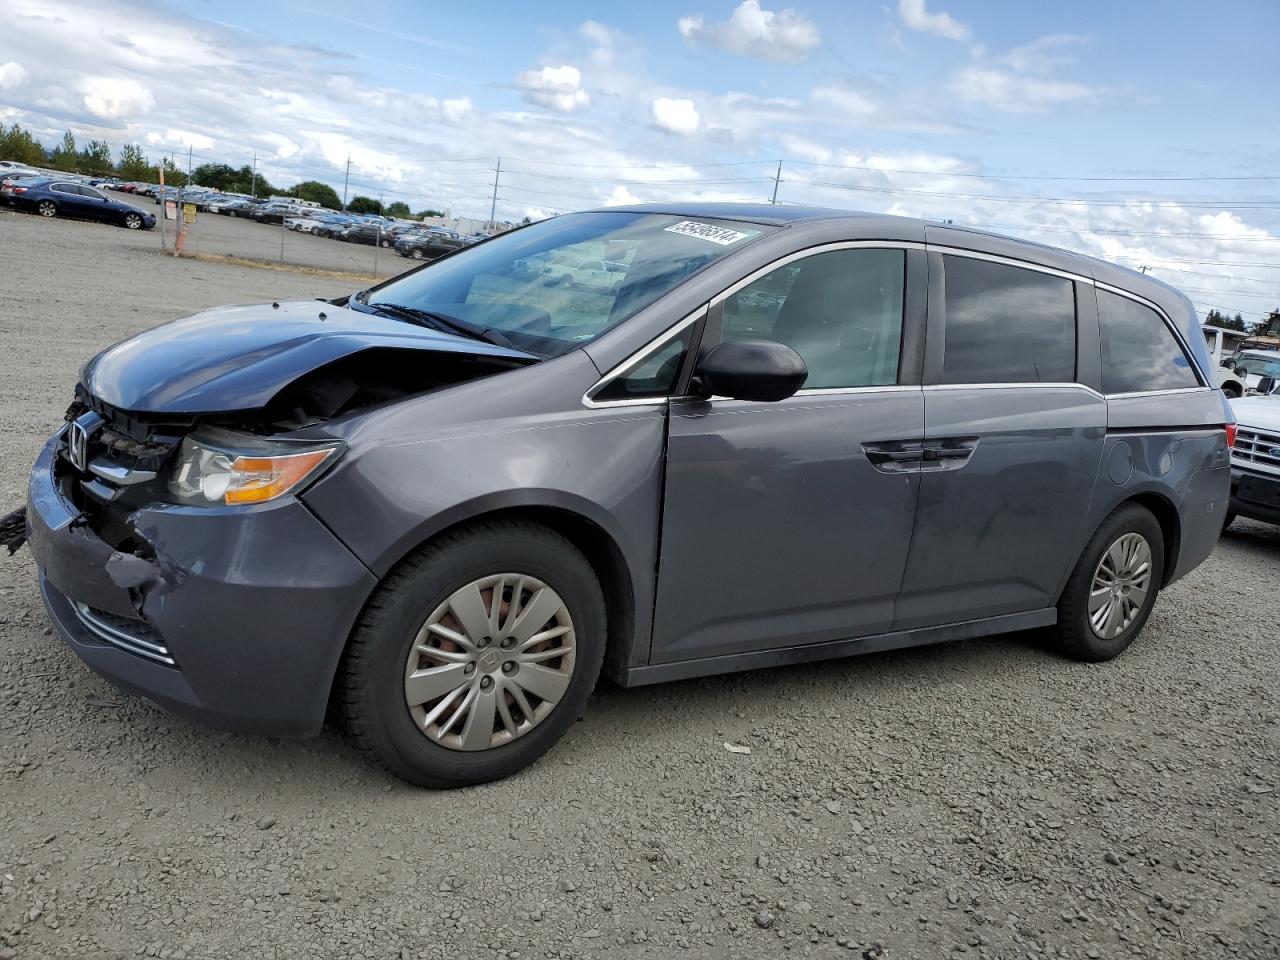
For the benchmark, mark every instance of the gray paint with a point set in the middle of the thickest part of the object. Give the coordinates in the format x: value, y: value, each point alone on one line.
x: 750, y: 533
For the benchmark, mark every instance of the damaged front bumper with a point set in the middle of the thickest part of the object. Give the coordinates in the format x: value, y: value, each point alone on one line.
x: 236, y: 616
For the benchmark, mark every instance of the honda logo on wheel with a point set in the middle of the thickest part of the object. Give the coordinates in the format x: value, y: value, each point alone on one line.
x: 78, y: 436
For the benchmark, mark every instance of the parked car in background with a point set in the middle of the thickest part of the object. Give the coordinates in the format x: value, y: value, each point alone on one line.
x: 63, y: 198
x: 428, y: 244
x: 11, y: 179
x: 366, y: 233
x: 491, y: 492
x: 1243, y: 371
x: 1255, y: 456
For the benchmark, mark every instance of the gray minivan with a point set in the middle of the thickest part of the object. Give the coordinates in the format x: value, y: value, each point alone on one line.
x: 447, y: 503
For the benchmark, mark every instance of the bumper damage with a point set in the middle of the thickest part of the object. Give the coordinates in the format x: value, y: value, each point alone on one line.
x: 236, y: 617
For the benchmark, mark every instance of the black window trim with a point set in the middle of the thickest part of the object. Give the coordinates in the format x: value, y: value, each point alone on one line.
x: 933, y: 360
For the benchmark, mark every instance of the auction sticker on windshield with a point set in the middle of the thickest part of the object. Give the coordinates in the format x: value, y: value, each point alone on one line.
x: 706, y: 231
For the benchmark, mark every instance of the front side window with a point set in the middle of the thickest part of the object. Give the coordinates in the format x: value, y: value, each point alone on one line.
x: 654, y: 376
x: 546, y: 288
x: 1139, y: 352
x: 840, y: 310
x: 1006, y: 324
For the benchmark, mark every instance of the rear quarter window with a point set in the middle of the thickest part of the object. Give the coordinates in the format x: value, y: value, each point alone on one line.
x: 1139, y: 351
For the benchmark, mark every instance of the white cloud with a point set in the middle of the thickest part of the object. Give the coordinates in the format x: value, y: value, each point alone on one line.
x: 115, y: 98
x: 676, y: 114
x: 12, y: 75
x: 752, y: 31
x: 1014, y: 93
x: 557, y: 88
x: 1024, y: 79
x: 916, y: 16
x: 456, y: 108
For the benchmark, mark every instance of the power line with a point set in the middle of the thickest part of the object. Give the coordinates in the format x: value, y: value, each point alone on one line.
x: 1011, y: 176
x: 1104, y: 231
x: 999, y: 198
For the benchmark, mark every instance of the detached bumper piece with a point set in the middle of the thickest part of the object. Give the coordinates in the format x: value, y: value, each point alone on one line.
x: 13, y: 530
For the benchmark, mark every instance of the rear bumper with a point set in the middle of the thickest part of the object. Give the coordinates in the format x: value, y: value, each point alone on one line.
x: 1267, y: 511
x: 252, y: 607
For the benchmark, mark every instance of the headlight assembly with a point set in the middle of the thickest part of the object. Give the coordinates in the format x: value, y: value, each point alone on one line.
x: 222, y: 468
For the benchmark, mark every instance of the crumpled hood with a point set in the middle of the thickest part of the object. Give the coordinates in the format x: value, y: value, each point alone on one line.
x: 238, y: 358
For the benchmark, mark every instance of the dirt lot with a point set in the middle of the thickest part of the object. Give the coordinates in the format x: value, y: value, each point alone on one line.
x: 983, y: 799
x: 213, y: 233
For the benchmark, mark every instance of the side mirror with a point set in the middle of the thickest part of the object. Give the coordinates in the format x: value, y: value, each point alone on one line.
x: 750, y: 370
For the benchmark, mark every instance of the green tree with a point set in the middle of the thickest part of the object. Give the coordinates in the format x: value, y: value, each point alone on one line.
x: 20, y: 146
x: 64, y: 154
x: 133, y: 164
x: 430, y: 213
x: 95, y: 158
x: 1219, y: 319
x: 364, y: 205
x: 318, y: 192
x: 398, y: 209
x: 216, y: 175
x: 173, y: 176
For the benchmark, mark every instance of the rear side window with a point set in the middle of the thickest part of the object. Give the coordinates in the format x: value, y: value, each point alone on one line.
x: 1007, y: 325
x: 1139, y: 352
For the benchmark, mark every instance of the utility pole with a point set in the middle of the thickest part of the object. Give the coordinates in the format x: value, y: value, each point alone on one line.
x: 493, y: 206
x: 1144, y: 268
x: 346, y: 178
x: 188, y: 164
x: 777, y: 179
x: 255, y: 175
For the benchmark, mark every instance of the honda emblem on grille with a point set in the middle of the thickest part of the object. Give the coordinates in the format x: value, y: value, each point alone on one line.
x: 78, y: 436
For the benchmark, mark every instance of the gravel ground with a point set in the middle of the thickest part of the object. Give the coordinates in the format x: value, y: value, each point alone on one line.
x: 213, y: 233
x: 982, y: 799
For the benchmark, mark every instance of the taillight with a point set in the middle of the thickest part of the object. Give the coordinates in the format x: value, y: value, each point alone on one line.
x: 1231, y: 434
x: 19, y: 189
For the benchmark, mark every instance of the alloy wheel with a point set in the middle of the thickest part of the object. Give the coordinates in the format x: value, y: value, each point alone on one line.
x: 47, y: 208
x: 1121, y: 582
x: 416, y: 253
x: 133, y: 221
x: 490, y: 663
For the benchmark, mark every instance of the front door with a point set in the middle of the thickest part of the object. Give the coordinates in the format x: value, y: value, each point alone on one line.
x: 788, y: 523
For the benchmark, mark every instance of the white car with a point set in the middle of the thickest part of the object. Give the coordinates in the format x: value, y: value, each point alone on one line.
x: 1240, y: 374
x: 1255, y: 459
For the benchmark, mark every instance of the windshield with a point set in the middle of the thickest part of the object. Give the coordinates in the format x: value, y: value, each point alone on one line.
x: 545, y: 288
x: 1259, y: 366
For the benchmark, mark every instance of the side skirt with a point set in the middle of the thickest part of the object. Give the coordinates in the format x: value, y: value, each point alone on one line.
x: 731, y: 663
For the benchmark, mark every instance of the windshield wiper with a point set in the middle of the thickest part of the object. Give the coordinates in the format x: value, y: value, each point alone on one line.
x: 442, y: 321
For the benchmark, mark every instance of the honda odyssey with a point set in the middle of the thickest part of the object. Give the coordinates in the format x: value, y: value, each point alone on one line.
x: 448, y: 503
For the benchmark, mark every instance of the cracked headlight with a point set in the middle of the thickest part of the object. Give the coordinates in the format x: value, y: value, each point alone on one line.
x: 229, y: 469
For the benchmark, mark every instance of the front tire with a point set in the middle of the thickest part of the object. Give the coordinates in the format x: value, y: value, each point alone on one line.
x: 416, y: 253
x: 475, y: 655
x: 133, y: 221
x: 1113, y: 587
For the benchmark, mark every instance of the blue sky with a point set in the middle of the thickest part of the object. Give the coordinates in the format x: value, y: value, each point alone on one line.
x: 936, y: 108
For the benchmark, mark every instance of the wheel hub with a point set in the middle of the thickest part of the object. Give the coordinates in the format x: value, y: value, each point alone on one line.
x: 465, y: 688
x: 1121, y: 582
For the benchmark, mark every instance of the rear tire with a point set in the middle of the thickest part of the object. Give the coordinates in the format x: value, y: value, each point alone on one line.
x: 394, y: 731
x: 1229, y: 519
x: 1129, y: 531
x: 47, y: 208
x: 1232, y: 391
